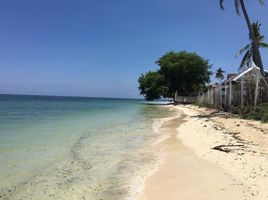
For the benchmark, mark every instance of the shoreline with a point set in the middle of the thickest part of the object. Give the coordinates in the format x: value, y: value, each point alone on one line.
x: 192, y: 169
x: 110, y: 161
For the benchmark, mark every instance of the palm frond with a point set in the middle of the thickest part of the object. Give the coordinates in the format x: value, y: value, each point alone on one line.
x: 221, y: 4
x: 245, y: 48
x: 263, y: 45
x: 237, y: 6
x: 256, y: 26
x: 246, y: 59
x: 261, y: 2
x: 260, y: 38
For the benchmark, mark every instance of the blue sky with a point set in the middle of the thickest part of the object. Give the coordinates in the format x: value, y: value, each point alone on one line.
x: 100, y: 47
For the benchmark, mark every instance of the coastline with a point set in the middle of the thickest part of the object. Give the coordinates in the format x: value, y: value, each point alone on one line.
x: 194, y: 169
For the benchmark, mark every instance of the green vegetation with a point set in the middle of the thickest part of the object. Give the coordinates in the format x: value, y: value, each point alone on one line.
x: 248, y: 49
x: 184, y: 72
x: 261, y: 113
x: 240, y: 5
x: 151, y: 85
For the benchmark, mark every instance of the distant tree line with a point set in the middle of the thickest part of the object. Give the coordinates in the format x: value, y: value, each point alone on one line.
x: 183, y: 72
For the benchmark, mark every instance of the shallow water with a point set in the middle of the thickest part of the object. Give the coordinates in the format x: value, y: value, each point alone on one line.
x: 76, y: 148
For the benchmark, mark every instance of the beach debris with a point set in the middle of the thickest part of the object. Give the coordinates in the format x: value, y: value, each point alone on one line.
x: 227, y: 148
x: 217, y: 128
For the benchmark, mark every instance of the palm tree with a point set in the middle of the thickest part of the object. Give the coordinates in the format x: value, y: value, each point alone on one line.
x: 220, y: 75
x: 239, y: 4
x: 246, y: 61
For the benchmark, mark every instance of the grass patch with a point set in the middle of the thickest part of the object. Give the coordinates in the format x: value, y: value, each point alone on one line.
x: 261, y: 113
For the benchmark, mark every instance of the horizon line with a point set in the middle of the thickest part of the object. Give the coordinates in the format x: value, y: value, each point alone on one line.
x: 49, y: 95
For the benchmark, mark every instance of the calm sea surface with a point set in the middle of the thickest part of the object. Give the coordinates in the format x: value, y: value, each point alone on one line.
x: 76, y: 148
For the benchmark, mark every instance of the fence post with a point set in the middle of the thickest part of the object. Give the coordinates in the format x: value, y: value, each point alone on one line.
x: 225, y: 99
x: 242, y: 92
x: 220, y: 88
x: 208, y: 95
x: 212, y: 96
x: 256, y: 89
x: 230, y: 94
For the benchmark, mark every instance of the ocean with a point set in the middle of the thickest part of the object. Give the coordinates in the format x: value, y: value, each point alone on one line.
x: 76, y: 147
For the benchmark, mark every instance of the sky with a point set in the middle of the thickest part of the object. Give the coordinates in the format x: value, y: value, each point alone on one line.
x: 99, y: 48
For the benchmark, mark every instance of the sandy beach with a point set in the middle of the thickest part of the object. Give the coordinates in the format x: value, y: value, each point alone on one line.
x: 210, y: 155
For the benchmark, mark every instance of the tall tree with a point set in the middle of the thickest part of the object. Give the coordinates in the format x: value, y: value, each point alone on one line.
x: 240, y: 5
x: 184, y: 72
x: 248, y: 49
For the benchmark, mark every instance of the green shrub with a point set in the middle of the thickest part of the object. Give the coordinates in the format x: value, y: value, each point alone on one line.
x: 261, y: 113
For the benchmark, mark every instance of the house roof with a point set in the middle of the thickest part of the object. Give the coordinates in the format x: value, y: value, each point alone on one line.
x: 235, y: 77
x: 241, y: 74
x: 245, y: 72
x: 229, y: 76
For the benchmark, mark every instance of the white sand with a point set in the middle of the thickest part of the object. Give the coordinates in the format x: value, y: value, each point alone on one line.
x: 194, y: 170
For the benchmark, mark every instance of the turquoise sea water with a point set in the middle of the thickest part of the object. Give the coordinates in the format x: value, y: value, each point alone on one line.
x: 75, y: 148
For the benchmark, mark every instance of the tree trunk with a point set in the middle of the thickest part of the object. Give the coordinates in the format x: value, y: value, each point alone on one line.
x: 256, y: 52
